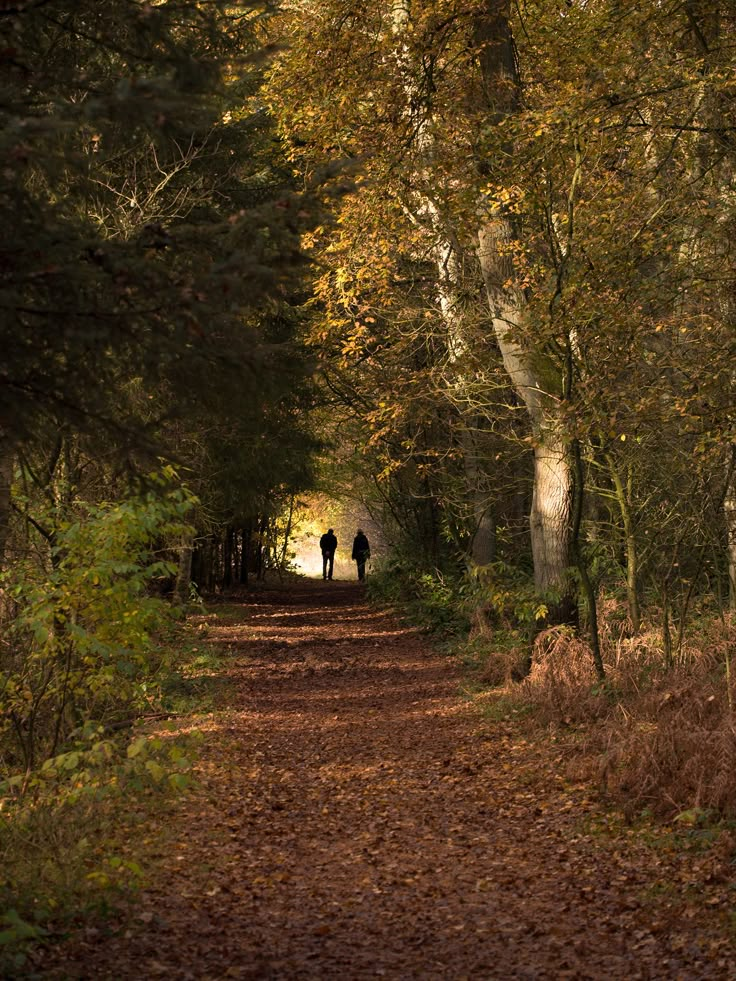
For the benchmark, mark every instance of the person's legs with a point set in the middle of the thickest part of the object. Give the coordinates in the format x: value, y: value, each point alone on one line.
x: 361, y: 570
x: 324, y: 564
x: 332, y: 565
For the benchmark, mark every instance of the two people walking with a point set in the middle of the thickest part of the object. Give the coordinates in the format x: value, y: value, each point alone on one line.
x: 361, y: 553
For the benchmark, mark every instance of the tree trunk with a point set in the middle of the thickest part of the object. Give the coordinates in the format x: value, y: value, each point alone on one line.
x: 7, y: 461
x: 729, y: 512
x: 227, y: 558
x: 184, y: 569
x: 245, y: 539
x: 482, y: 548
x: 550, y: 524
x: 260, y: 549
x: 203, y: 565
x: 581, y: 563
x: 552, y: 496
x: 623, y: 498
x: 483, y: 545
x: 552, y: 499
x: 287, y: 534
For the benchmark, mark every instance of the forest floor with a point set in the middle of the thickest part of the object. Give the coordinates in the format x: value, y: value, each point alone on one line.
x: 357, y: 816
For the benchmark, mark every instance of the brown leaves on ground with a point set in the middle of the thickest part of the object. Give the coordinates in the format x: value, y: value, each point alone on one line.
x: 357, y: 819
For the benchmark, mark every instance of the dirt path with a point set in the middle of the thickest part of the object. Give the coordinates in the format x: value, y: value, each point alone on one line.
x: 359, y: 821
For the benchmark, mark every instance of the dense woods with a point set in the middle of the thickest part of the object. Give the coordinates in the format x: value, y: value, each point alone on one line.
x: 467, y: 263
x: 537, y: 254
x: 523, y: 316
x: 151, y: 265
x: 150, y: 284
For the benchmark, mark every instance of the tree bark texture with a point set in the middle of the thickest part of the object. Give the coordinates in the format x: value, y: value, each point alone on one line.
x: 552, y: 497
x: 551, y: 514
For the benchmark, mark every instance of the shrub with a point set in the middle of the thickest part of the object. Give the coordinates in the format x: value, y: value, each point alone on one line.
x: 660, y: 736
x: 79, y: 637
x: 433, y: 600
x: 562, y: 684
x: 66, y: 829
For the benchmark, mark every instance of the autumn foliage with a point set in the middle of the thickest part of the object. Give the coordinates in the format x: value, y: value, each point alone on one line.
x: 463, y: 266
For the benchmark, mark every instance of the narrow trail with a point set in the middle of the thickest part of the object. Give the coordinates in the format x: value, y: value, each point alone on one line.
x: 359, y: 820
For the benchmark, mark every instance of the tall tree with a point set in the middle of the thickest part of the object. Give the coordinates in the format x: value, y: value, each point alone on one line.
x: 579, y: 157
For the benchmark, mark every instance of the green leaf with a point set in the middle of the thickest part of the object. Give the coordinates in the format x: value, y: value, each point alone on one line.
x: 156, y: 770
x: 137, y: 747
x: 179, y: 781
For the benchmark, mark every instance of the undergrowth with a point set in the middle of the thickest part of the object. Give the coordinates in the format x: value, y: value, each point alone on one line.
x: 71, y: 831
x: 658, y: 734
x: 433, y: 600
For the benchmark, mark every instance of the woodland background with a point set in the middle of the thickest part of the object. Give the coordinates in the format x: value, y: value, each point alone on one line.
x: 465, y: 266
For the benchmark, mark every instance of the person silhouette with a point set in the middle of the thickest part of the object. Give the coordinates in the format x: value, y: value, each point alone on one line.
x: 328, y: 544
x: 361, y: 553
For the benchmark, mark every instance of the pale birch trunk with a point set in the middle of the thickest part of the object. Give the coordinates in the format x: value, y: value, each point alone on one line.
x: 552, y: 500
x: 554, y: 479
x: 552, y: 497
x: 551, y: 513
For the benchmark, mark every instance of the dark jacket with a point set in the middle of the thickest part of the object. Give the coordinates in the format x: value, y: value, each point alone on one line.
x: 361, y: 548
x: 328, y: 543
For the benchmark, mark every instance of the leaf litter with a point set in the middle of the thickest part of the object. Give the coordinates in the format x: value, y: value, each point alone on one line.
x: 356, y: 817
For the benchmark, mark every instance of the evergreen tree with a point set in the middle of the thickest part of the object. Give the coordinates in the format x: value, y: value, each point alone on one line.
x: 148, y: 225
